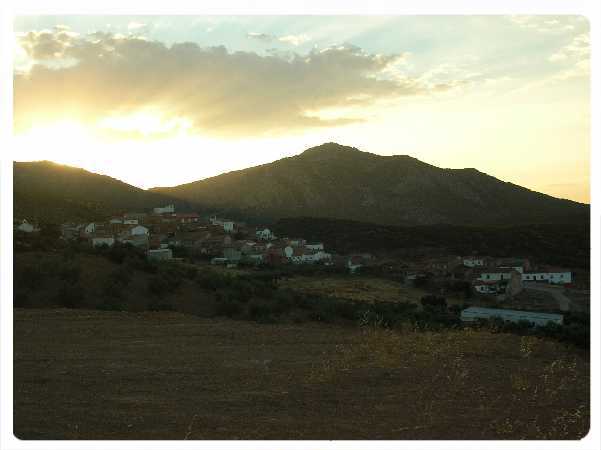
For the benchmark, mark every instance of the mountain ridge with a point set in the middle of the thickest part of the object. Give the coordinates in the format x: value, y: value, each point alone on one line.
x: 329, y: 181
x: 342, y: 182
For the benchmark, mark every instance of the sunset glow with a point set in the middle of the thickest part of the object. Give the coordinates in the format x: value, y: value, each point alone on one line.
x: 221, y: 94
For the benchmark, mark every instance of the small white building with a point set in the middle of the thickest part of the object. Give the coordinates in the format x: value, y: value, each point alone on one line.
x: 228, y: 226
x: 103, y: 240
x: 474, y: 313
x: 160, y: 254
x: 169, y: 209
x: 265, y: 234
x: 288, y: 251
x: 139, y: 230
x: 552, y: 276
x: 116, y: 220
x: 130, y: 221
x: 26, y: 227
x: 90, y: 228
x: 316, y: 246
x: 473, y: 261
x: 483, y: 287
x: 496, y: 275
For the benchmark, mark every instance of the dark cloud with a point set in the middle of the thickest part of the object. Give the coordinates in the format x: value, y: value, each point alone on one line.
x: 218, y: 92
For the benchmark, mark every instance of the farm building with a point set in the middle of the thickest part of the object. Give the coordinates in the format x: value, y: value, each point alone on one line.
x: 159, y: 254
x: 474, y: 313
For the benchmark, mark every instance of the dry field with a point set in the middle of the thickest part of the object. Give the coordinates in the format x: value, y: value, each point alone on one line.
x: 368, y: 289
x: 82, y: 374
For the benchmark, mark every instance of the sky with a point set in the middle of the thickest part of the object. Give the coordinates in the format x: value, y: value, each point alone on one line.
x: 165, y: 100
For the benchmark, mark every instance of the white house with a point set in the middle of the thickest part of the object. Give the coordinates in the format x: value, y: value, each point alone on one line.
x: 159, y: 254
x: 130, y: 221
x: 228, y: 226
x: 316, y: 246
x: 26, y: 227
x: 484, y: 287
x: 552, y: 276
x: 103, y: 240
x: 116, y: 220
x: 354, y: 263
x: 473, y: 261
x: 312, y: 256
x: 496, y: 275
x: 265, y: 234
x: 169, y: 209
x: 139, y: 230
x: 90, y: 228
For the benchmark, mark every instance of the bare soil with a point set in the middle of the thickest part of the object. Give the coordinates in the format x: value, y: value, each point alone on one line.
x: 83, y: 374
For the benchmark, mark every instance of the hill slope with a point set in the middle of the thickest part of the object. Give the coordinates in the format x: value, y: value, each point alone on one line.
x: 334, y: 181
x: 49, y: 192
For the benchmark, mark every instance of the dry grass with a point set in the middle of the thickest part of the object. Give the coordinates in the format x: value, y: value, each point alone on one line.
x: 368, y: 289
x: 109, y: 375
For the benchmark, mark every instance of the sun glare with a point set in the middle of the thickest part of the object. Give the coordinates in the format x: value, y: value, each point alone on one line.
x: 147, y: 123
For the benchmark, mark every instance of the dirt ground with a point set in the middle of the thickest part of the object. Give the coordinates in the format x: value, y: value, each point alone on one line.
x: 83, y: 374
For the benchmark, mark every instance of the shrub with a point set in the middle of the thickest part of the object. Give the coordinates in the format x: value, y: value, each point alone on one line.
x: 121, y: 276
x: 434, y: 302
x: 111, y: 304
x: 70, y: 295
x: 158, y: 286
x: 70, y: 273
x: 160, y: 304
x: 33, y: 277
x: 21, y: 300
x: 260, y: 311
x: 227, y: 306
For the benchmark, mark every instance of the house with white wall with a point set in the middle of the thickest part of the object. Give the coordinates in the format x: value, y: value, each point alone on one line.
x: 139, y: 230
x: 315, y: 246
x: 169, y: 209
x: 549, y: 275
x: 159, y: 254
x: 26, y: 227
x: 97, y: 241
x: 264, y: 234
x: 474, y: 261
x: 90, y: 228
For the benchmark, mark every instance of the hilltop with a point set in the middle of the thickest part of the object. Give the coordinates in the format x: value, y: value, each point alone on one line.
x: 339, y: 182
x: 49, y: 192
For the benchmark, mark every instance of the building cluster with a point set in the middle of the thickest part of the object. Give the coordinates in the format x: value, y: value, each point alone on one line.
x: 222, y: 241
x: 228, y: 242
x: 486, y: 275
x: 493, y: 275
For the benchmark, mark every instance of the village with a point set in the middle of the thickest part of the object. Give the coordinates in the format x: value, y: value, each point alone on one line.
x: 167, y: 235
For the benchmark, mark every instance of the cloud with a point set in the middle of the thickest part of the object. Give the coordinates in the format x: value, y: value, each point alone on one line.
x: 215, y: 92
x: 135, y: 25
x: 290, y: 39
x: 263, y: 37
x: 575, y: 56
x: 295, y: 40
x: 550, y: 24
